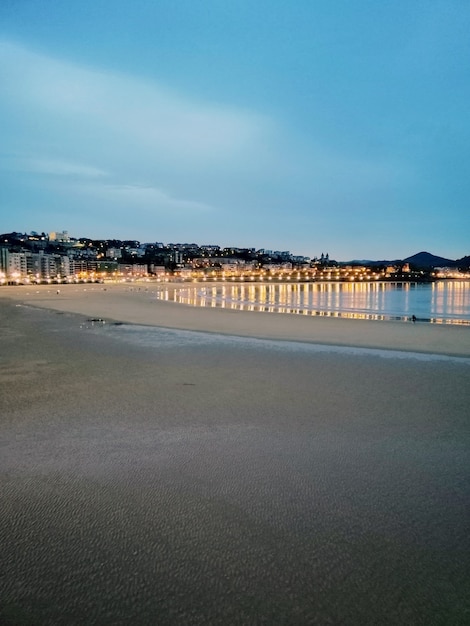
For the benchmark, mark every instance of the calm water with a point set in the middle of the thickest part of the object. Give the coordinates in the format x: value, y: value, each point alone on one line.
x: 442, y: 302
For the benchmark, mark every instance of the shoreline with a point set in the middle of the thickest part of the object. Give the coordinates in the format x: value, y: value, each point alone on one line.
x: 138, y: 305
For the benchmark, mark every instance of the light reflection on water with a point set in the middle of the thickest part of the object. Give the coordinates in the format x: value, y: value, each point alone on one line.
x: 442, y: 302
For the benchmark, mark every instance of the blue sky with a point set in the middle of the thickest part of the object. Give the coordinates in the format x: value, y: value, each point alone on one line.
x: 311, y: 126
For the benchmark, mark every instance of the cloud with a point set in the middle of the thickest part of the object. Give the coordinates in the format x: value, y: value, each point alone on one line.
x: 141, y: 196
x: 51, y: 167
x: 109, y: 142
x: 128, y: 109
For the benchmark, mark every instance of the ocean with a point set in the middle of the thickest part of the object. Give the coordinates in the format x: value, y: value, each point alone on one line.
x: 440, y: 302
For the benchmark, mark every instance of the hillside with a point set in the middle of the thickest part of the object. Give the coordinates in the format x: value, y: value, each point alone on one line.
x: 426, y: 260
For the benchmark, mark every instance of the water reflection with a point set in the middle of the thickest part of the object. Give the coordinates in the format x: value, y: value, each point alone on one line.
x: 443, y: 302
x: 454, y: 295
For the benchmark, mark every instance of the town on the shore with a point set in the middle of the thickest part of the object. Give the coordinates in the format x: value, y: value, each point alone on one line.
x: 57, y: 257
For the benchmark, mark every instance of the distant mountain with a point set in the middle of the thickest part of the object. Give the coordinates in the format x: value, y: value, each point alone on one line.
x: 464, y: 262
x: 421, y: 260
x: 426, y: 260
x: 367, y: 262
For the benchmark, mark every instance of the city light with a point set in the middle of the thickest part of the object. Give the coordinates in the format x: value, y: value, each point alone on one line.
x: 58, y: 259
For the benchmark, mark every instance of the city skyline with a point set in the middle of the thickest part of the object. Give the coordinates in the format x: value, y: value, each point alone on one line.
x: 38, y: 239
x: 306, y: 127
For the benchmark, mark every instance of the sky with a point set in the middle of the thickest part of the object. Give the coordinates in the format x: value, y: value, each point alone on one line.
x: 335, y: 126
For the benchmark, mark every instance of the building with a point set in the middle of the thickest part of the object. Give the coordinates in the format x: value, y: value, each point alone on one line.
x: 59, y: 237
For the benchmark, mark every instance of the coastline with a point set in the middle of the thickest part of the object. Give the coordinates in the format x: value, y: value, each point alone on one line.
x: 138, y: 305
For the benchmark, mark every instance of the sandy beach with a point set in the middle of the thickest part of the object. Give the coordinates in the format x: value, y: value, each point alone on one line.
x: 138, y: 305
x: 250, y: 473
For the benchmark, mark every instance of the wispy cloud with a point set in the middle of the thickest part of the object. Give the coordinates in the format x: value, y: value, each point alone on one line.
x: 140, y: 197
x: 134, y: 111
x: 109, y: 144
x: 124, y: 129
x: 51, y: 167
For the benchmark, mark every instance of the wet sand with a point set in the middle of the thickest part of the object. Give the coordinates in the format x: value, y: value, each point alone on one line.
x: 153, y: 476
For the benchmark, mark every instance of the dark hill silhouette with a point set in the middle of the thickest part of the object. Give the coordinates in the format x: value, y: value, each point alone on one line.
x: 463, y: 263
x: 420, y: 260
x: 426, y: 260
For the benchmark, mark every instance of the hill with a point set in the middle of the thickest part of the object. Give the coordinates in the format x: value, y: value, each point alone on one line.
x: 420, y: 260
x: 424, y: 260
x: 463, y: 263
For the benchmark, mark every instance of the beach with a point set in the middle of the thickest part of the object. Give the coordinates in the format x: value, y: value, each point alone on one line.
x: 166, y: 464
x: 141, y: 304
